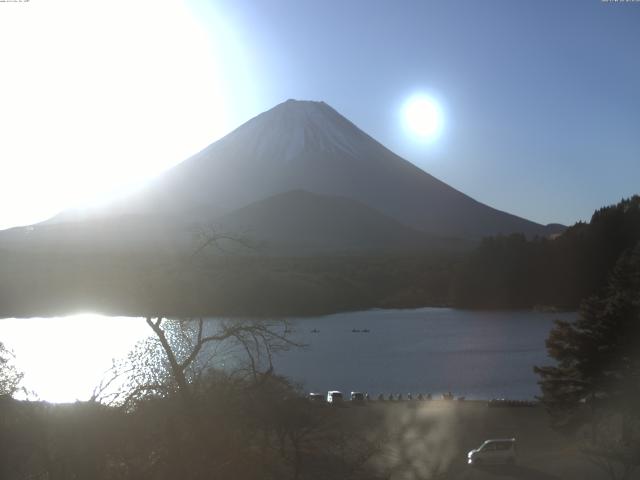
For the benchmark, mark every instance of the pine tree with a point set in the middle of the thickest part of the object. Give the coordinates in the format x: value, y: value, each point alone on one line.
x: 596, y: 381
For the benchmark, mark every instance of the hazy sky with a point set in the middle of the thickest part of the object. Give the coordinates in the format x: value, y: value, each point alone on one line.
x: 541, y: 99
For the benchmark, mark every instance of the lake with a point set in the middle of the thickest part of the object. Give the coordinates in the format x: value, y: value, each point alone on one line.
x: 429, y: 350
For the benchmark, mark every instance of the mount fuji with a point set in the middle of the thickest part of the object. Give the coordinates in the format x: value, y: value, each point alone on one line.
x: 307, y: 150
x: 340, y: 223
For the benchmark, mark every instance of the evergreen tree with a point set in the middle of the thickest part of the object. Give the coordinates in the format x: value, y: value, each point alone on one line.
x: 596, y: 382
x: 513, y: 272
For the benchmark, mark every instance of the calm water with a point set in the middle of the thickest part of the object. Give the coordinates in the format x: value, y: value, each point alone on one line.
x: 476, y: 354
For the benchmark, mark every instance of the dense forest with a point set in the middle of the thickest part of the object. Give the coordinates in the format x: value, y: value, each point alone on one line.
x: 514, y: 272
x: 503, y: 272
x: 40, y: 284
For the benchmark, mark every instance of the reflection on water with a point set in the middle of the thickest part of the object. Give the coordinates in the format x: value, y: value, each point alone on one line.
x: 477, y: 354
x: 64, y: 358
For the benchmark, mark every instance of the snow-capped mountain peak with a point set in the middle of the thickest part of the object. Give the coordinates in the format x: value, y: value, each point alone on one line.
x: 295, y: 126
x: 309, y: 146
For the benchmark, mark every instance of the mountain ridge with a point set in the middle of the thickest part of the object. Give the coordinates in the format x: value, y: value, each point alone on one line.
x: 309, y: 146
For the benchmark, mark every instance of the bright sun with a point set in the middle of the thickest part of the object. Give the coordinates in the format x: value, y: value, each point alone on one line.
x: 98, y: 96
x: 422, y: 116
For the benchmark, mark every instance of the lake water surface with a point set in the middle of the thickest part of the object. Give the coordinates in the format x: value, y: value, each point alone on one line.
x: 470, y: 353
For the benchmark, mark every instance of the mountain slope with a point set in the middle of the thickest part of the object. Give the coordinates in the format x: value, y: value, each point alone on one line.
x: 302, y: 145
x: 303, y: 222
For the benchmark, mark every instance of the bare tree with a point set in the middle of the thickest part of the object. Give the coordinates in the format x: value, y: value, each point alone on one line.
x: 183, y: 350
x: 211, y: 237
x: 259, y: 339
x: 181, y: 353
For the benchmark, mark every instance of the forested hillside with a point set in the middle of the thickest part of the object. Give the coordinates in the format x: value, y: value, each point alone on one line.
x: 502, y: 272
x: 45, y: 285
x: 513, y: 272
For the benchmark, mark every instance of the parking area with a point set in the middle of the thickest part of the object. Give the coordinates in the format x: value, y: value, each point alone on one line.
x: 431, y: 439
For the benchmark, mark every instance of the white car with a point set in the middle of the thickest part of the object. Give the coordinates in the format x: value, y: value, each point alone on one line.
x: 501, y: 450
x: 334, y: 396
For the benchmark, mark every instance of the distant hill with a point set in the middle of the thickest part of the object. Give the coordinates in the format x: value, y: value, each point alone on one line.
x: 303, y: 145
x: 303, y: 222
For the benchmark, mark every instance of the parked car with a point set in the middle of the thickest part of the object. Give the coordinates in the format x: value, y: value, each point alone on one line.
x: 357, y: 397
x: 494, y: 451
x: 316, y: 397
x: 334, y: 396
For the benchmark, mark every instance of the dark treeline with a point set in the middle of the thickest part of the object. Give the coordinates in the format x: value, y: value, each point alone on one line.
x: 242, y: 429
x: 513, y: 272
x: 502, y: 272
x: 251, y: 285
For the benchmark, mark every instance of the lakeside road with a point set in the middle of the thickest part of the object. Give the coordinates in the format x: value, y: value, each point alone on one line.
x: 430, y: 439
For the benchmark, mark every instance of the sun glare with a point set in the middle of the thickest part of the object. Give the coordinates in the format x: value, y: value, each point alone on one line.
x: 60, y: 367
x: 97, y: 96
x: 423, y: 118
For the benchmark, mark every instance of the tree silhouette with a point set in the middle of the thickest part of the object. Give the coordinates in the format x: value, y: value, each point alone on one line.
x: 596, y: 382
x: 514, y: 272
x: 10, y: 376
